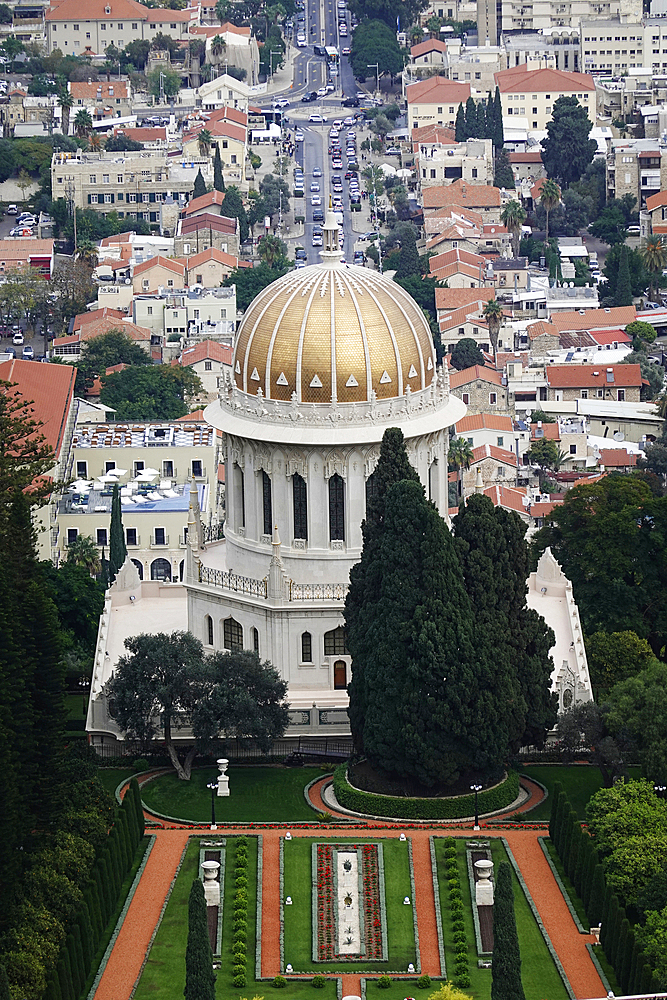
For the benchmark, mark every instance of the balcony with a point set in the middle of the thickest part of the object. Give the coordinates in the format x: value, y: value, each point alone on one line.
x: 161, y: 542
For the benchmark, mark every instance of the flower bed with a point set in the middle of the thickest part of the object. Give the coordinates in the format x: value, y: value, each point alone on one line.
x: 325, y: 907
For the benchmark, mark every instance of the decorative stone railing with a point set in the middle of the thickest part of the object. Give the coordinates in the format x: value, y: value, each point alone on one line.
x: 317, y: 591
x: 259, y: 588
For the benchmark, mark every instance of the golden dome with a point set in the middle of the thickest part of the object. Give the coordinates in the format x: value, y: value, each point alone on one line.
x: 331, y: 331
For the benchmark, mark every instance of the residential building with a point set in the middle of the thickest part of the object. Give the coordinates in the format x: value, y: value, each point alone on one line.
x: 620, y: 97
x: 155, y: 512
x: 158, y: 272
x: 210, y: 267
x: 474, y: 64
x: 50, y: 391
x: 17, y: 252
x: 481, y: 389
x: 428, y: 58
x: 466, y: 323
x: 231, y: 139
x: 569, y: 434
x: 481, y: 429
x: 68, y: 348
x: 527, y: 166
x: 470, y: 161
x: 226, y: 91
x: 101, y: 99
x: 552, y: 48
x: 496, y: 17
x: 563, y: 298
x: 621, y: 383
x: 510, y: 273
x: 77, y: 30
x: 617, y: 460
x: 531, y: 94
x: 459, y: 268
x: 544, y: 338
x: 435, y: 101
x: 199, y: 233
x: 190, y: 313
x: 133, y: 184
x: 448, y: 300
x: 614, y: 46
x: 609, y: 318
x: 486, y: 200
x: 211, y: 361
x: 637, y: 167
x: 491, y: 464
x: 656, y: 212
x: 241, y: 49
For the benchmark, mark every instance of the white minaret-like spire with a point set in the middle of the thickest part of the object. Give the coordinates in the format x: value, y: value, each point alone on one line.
x: 330, y: 252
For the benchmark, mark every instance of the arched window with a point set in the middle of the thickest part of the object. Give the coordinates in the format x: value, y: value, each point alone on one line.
x: 336, y: 508
x: 161, y: 569
x: 232, y: 633
x: 238, y: 480
x: 255, y: 641
x: 140, y: 568
x: 306, y: 647
x: 181, y: 570
x: 335, y: 642
x: 300, y: 501
x: 209, y: 630
x: 371, y: 490
x: 340, y: 675
x: 266, y: 503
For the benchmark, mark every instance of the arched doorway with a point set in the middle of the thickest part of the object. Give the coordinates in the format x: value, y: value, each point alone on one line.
x: 161, y: 570
x: 140, y: 568
x: 340, y: 675
x: 181, y: 570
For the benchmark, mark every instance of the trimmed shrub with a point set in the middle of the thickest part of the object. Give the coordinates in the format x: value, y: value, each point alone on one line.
x: 423, y: 982
x: 384, y: 982
x: 463, y: 981
x: 394, y: 807
x: 319, y: 982
x: 455, y: 894
x: 458, y: 925
x: 456, y: 908
x: 459, y: 936
x: 279, y: 982
x: 240, y: 922
x: 239, y: 981
x: 238, y: 969
x: 461, y: 948
x: 241, y: 881
x: 239, y: 948
x: 140, y: 764
x: 240, y: 904
x: 241, y: 935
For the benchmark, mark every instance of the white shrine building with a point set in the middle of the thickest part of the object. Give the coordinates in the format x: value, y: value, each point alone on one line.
x: 327, y: 358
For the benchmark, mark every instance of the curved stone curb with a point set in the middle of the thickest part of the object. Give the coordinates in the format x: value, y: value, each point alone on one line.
x: 123, y: 913
x: 559, y: 882
x: 538, y: 918
x: 600, y: 970
x: 539, y: 785
x: 328, y: 794
x: 306, y: 793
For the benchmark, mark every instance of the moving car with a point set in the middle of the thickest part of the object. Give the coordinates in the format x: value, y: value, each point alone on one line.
x: 317, y: 171
x: 322, y: 92
x: 349, y: 121
x: 317, y: 119
x: 345, y: 51
x: 17, y: 340
x: 298, y: 135
x: 318, y: 215
x: 12, y: 210
x: 394, y: 151
x: 310, y: 96
x: 315, y: 187
x: 359, y: 257
x: 282, y: 103
x: 299, y: 254
x: 316, y: 200
x: 317, y: 239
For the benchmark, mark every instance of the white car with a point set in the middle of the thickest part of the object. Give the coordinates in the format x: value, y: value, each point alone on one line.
x: 337, y: 123
x: 348, y: 121
x: 315, y: 187
x: 282, y: 103
x: 322, y: 92
x: 298, y: 135
x: 316, y: 200
x: 317, y: 119
x: 317, y: 171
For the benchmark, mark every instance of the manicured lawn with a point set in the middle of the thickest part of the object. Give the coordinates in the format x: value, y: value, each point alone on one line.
x: 74, y: 706
x: 400, y: 989
x: 269, y: 794
x: 111, y: 777
x: 164, y: 975
x: 539, y: 974
x: 580, y: 781
x: 298, y: 917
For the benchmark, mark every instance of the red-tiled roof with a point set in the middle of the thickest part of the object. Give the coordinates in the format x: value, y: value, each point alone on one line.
x: 593, y: 376
x: 549, y: 431
x: 80, y: 89
x: 488, y: 421
x: 143, y: 134
x: 520, y: 79
x: 49, y: 388
x: 91, y: 317
x: 591, y: 319
x: 207, y: 221
x: 457, y: 379
x: 542, y: 508
x: 541, y: 329
x: 492, y: 451
x: 454, y: 298
x: 506, y: 496
x: 160, y: 261
x: 195, y: 415
x: 656, y: 200
x: 461, y: 193
x: 603, y: 337
x: 453, y: 319
x: 438, y: 90
x: 528, y: 157
x: 430, y: 45
x: 206, y: 350
x: 616, y: 458
x: 204, y: 201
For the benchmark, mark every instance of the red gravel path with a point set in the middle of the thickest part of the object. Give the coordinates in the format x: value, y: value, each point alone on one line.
x: 271, y: 903
x: 425, y: 904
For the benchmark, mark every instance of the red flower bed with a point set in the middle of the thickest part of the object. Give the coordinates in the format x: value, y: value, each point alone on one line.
x: 326, y: 903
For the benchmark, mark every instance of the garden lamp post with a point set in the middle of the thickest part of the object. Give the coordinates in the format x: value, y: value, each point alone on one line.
x: 476, y: 789
x: 660, y: 790
x: 214, y: 787
x: 84, y: 684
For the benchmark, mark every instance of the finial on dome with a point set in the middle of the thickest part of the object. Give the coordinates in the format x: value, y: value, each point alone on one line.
x: 330, y: 251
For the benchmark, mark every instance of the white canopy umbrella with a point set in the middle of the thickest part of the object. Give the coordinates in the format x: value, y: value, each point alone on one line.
x: 109, y: 477
x: 117, y: 472
x: 80, y: 485
x: 151, y: 472
x: 146, y: 476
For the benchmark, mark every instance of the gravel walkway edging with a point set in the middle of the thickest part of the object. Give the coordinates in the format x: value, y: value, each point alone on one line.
x: 438, y: 910
x: 559, y: 882
x: 413, y: 900
x: 121, y: 917
x: 258, y: 907
x: 538, y: 918
x: 600, y: 970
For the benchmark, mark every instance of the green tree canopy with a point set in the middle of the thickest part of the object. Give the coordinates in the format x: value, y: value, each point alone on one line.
x: 375, y: 42
x: 637, y: 707
x: 506, y: 966
x: 250, y: 281
x: 169, y: 84
x: 623, y: 296
x: 628, y: 809
x: 109, y: 349
x: 233, y: 209
x: 641, y: 333
x: 567, y: 150
x: 408, y: 262
x: 466, y: 353
x: 638, y: 275
x: 652, y: 374
x: 544, y: 452
x: 610, y: 227
x: 613, y: 657
x: 155, y: 392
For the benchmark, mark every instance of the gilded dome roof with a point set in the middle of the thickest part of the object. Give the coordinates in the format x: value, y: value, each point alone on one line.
x: 331, y: 331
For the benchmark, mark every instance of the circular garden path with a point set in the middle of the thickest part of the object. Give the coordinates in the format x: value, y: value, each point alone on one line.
x: 141, y: 921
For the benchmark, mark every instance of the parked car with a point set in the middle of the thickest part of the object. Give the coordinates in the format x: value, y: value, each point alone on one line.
x: 394, y: 151
x: 12, y: 210
x: 28, y: 353
x: 318, y: 215
x: 17, y: 340
x: 312, y: 96
x: 299, y: 254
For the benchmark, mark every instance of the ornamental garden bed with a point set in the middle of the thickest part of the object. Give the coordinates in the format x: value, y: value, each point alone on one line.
x: 539, y: 974
x: 310, y: 921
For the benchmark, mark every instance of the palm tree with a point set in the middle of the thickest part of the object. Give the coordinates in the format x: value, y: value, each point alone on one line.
x: 83, y: 552
x: 86, y: 251
x: 94, y: 142
x: 550, y: 198
x: 204, y: 139
x: 218, y: 46
x: 83, y: 123
x: 654, y: 257
x: 271, y: 249
x: 66, y: 101
x: 493, y: 314
x: 460, y: 456
x: 513, y: 217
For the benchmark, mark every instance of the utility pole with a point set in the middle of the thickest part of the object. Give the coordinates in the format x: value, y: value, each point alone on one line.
x: 376, y: 67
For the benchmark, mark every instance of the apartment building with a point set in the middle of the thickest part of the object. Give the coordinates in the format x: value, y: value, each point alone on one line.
x: 531, y: 94
x: 495, y: 17
x: 435, y: 101
x: 427, y: 58
x: 471, y: 161
x: 189, y: 313
x: 134, y: 184
x: 101, y: 98
x: 637, y: 167
x: 483, y: 390
x: 475, y: 64
x: 554, y: 48
x: 226, y: 91
x: 620, y: 96
x: 621, y: 383
x: 78, y: 29
x: 231, y: 139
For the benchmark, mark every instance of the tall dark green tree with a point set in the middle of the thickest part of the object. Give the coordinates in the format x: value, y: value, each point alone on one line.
x: 232, y: 208
x: 498, y: 132
x: 460, y: 128
x: 506, y: 966
x: 199, y: 975
x: 623, y: 296
x: 567, y: 150
x: 117, y: 547
x: 471, y: 118
x: 200, y: 186
x: 415, y: 646
x: 408, y: 260
x: 218, y: 179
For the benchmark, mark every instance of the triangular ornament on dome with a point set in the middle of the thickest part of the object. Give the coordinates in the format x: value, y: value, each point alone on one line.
x: 430, y: 364
x: 281, y: 380
x: 385, y: 378
x: 255, y: 375
x: 351, y: 382
x: 413, y: 372
x: 238, y: 368
x: 315, y: 382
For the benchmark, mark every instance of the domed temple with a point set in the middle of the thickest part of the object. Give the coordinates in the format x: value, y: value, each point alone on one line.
x: 327, y: 357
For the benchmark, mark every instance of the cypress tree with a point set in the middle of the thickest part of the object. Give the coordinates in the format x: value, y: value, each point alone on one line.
x: 566, y: 837
x: 498, y: 132
x: 199, y: 975
x: 613, y: 930
x: 90, y: 899
x: 591, y: 860
x: 126, y: 853
x: 562, y: 808
x: 606, y: 911
x: 623, y: 295
x: 52, y: 988
x: 460, y: 129
x: 136, y: 793
x: 597, y: 896
x: 471, y: 118
x: 83, y: 922
x: 117, y: 548
x: 4, y: 984
x: 620, y: 954
x: 558, y: 790
x: 130, y: 814
x: 574, y: 849
x: 408, y: 258
x: 627, y: 971
x: 582, y: 860
x: 65, y: 976
x: 233, y: 209
x: 200, y: 186
x: 218, y: 179
x: 75, y: 963
x: 506, y: 966
x: 98, y: 874
x: 645, y: 976
x: 489, y: 117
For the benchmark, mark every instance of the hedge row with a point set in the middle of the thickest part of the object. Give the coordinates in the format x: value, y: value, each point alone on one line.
x: 584, y: 869
x: 239, y: 946
x: 89, y: 921
x: 461, y: 969
x: 393, y: 807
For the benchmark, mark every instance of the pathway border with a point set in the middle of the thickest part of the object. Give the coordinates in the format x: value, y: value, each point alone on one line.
x: 566, y: 896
